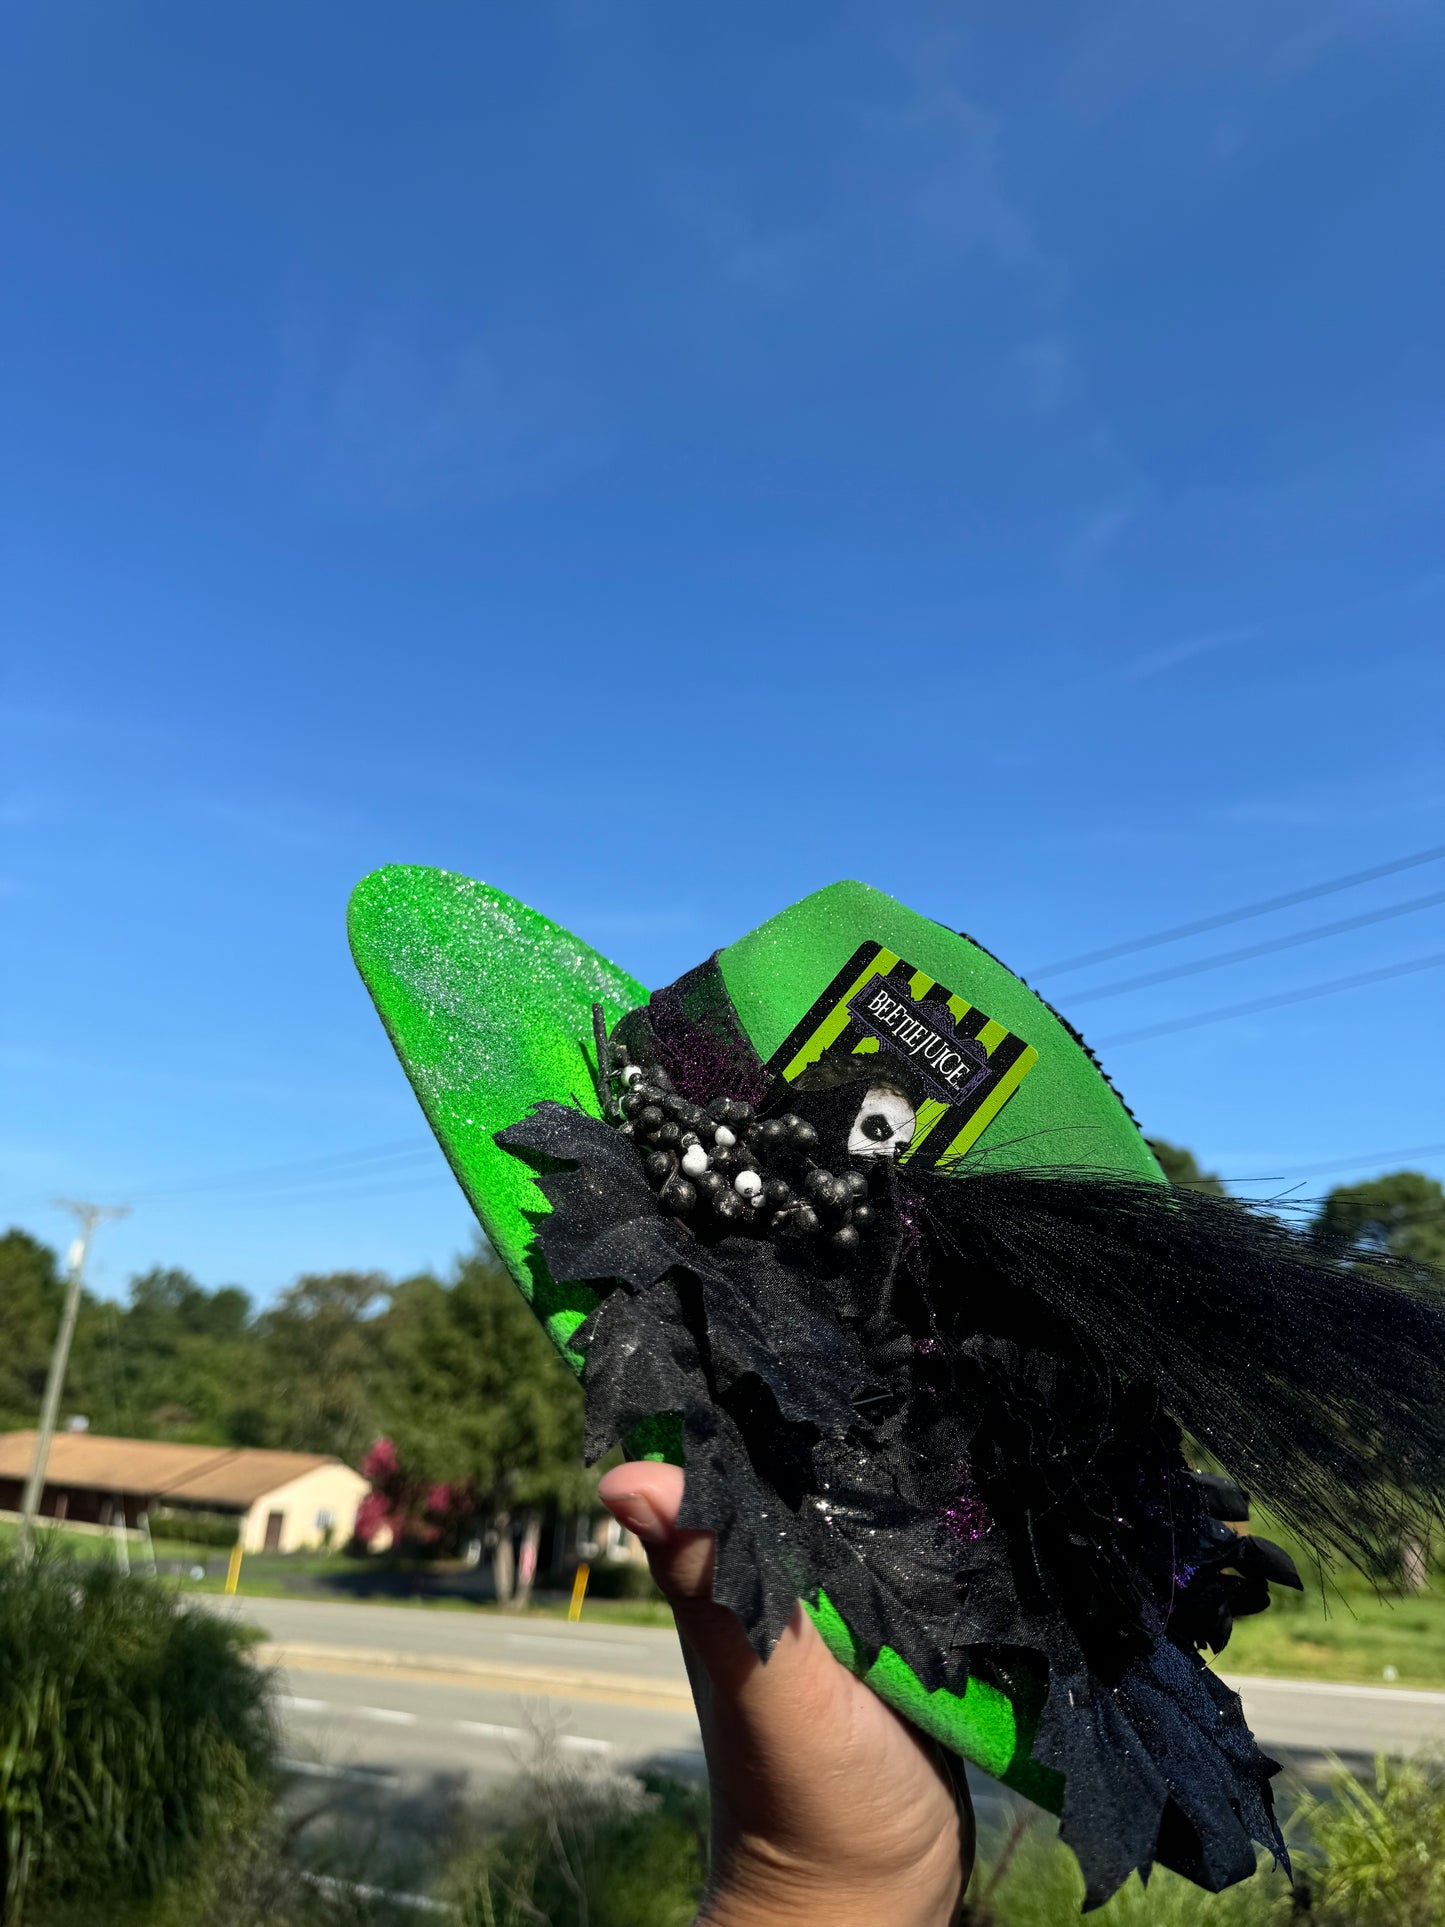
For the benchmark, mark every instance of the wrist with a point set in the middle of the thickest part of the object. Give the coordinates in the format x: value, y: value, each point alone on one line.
x: 743, y: 1894
x: 822, y: 1907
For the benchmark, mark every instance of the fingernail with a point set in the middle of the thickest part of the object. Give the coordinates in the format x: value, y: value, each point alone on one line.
x: 639, y: 1515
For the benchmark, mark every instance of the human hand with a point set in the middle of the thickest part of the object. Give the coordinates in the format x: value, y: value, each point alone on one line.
x: 826, y: 1805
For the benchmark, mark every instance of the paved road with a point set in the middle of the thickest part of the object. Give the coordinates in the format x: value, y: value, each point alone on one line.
x: 468, y: 1636
x: 417, y: 1710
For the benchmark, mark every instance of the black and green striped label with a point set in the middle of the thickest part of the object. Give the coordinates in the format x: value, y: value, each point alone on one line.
x: 969, y: 1065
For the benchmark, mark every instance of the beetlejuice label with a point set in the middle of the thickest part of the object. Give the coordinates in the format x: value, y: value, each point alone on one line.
x: 948, y: 1061
x: 879, y: 1005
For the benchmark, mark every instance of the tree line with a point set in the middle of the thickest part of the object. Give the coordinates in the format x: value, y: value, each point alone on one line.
x: 484, y: 1419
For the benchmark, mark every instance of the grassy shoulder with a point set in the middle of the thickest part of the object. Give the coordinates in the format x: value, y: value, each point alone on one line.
x: 333, y: 1576
x: 70, y: 1543
x: 1345, y: 1631
x: 1339, y: 1630
x: 263, y: 1580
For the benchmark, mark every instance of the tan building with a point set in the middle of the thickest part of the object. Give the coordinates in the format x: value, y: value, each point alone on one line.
x: 282, y: 1501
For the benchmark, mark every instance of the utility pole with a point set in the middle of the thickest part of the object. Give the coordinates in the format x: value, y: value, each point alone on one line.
x: 88, y: 1217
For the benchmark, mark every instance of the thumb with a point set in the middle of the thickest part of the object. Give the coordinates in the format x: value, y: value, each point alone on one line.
x: 645, y: 1497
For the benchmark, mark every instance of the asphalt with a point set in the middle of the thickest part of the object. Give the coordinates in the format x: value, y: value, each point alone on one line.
x: 405, y: 1716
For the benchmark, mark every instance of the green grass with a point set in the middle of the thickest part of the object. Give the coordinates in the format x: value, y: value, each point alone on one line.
x: 1344, y: 1631
x: 1037, y: 1884
x: 264, y: 1577
x: 70, y: 1544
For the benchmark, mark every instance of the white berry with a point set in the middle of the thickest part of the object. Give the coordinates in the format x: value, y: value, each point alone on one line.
x: 723, y: 1136
x: 631, y: 1073
x: 747, y: 1184
x: 694, y: 1160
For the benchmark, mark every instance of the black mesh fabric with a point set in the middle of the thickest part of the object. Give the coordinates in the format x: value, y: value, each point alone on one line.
x: 692, y: 1030
x: 968, y: 1432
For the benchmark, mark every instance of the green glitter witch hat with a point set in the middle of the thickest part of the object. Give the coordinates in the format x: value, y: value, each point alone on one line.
x: 489, y: 1006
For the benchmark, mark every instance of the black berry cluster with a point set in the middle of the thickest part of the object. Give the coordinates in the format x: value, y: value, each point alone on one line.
x: 723, y: 1166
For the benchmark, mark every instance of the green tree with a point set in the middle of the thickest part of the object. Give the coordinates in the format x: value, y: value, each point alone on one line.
x: 317, y: 1363
x: 1401, y: 1214
x: 469, y: 1387
x: 1181, y: 1167
x: 30, y: 1303
x: 176, y: 1355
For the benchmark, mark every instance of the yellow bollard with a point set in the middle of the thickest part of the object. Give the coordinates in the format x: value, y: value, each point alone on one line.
x: 579, y: 1590
x: 233, y: 1571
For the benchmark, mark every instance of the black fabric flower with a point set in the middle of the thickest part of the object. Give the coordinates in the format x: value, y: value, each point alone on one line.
x: 962, y: 1422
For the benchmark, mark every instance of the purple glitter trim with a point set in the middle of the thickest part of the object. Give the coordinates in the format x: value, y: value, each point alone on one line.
x: 700, y: 1042
x: 968, y: 1518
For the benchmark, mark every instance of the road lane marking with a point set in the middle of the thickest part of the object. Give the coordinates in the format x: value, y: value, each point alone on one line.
x: 1333, y: 1689
x: 514, y: 1676
x: 362, y: 1775
x: 301, y: 1705
x: 359, y: 1890
x: 554, y: 1641
x: 480, y: 1729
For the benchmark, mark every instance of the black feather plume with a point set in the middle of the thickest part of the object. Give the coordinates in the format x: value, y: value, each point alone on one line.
x: 968, y: 1437
x: 1317, y: 1384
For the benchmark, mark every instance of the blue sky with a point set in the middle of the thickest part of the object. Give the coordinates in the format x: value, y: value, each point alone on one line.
x: 661, y: 461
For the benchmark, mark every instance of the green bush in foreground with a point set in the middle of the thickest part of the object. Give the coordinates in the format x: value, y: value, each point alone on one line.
x: 1030, y: 1880
x: 1368, y: 1856
x: 134, y: 1737
x: 588, y: 1851
x: 1381, y: 1848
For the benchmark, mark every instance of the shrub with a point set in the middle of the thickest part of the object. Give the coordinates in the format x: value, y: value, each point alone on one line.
x: 590, y: 1851
x: 1028, y: 1879
x: 1382, y: 1847
x: 136, y: 1736
x: 622, y: 1579
x: 194, y: 1528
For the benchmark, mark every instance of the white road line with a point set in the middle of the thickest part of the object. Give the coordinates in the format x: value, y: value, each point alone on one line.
x: 555, y: 1641
x: 1330, y: 1689
x: 361, y: 1775
x: 358, y: 1890
x: 294, y: 1705
x: 481, y: 1729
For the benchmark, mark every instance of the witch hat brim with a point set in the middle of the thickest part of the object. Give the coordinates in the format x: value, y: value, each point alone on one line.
x: 488, y: 1004
x: 489, y: 1007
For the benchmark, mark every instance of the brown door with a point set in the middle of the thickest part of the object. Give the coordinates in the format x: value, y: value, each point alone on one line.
x: 274, y: 1523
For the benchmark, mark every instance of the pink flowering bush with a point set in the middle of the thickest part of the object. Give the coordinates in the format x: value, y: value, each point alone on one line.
x: 420, y: 1513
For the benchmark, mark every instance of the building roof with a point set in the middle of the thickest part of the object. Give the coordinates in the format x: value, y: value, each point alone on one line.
x: 214, y: 1475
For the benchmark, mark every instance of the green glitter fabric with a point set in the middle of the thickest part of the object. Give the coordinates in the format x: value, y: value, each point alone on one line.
x: 489, y: 1007
x: 1064, y: 1113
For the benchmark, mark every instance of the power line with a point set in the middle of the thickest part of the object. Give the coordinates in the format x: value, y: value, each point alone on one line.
x: 351, y: 1188
x: 304, y: 1170
x: 1241, y: 915
x: 1343, y: 1164
x: 1252, y: 950
x: 1357, y: 982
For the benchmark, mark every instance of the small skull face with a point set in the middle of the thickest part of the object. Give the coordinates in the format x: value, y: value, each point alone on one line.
x: 883, y: 1127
